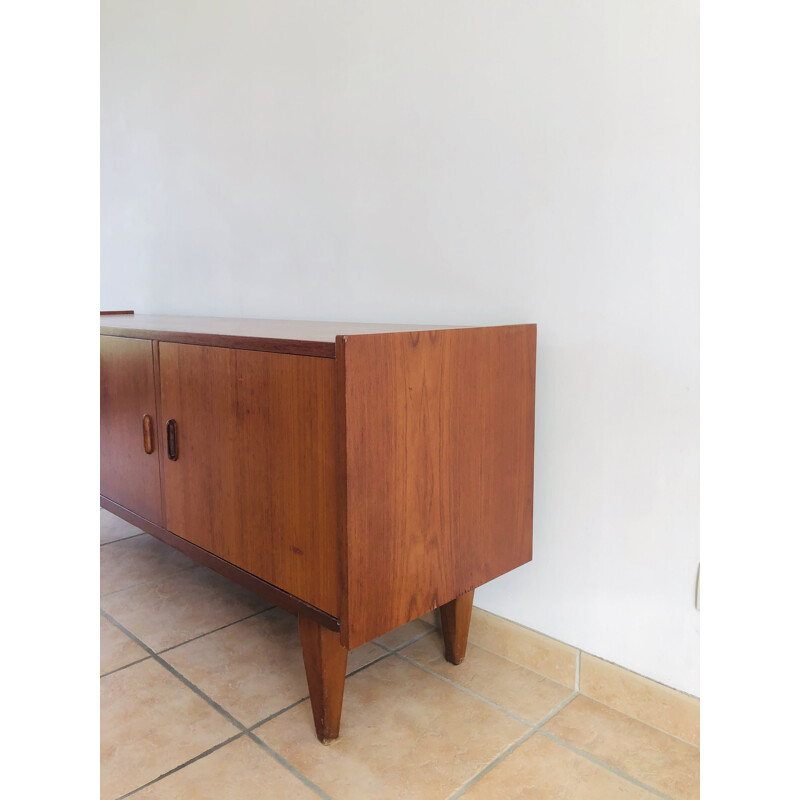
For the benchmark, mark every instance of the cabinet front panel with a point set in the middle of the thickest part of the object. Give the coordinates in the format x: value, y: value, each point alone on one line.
x: 129, y: 475
x: 254, y: 477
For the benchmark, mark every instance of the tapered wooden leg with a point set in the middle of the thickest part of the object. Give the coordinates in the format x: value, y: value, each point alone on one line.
x: 326, y: 665
x: 455, y: 617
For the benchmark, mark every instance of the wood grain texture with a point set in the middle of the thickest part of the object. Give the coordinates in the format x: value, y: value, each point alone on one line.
x: 114, y: 313
x: 325, y: 661
x: 128, y: 474
x: 455, y: 617
x: 254, y: 481
x: 273, y: 594
x: 438, y: 465
x: 280, y: 336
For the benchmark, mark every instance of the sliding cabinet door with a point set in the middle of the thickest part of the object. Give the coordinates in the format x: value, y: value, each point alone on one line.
x: 249, y: 472
x: 129, y: 469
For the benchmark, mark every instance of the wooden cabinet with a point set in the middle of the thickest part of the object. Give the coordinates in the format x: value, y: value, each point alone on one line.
x: 356, y: 475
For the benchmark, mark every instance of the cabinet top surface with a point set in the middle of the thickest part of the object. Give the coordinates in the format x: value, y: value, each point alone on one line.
x: 288, y: 329
x: 279, y: 335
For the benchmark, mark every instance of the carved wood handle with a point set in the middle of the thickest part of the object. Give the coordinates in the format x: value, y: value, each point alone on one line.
x: 172, y: 440
x: 147, y: 433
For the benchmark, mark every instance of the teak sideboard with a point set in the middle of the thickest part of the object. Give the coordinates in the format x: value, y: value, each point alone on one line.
x: 356, y: 475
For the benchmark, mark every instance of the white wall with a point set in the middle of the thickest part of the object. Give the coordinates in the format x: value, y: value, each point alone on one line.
x: 453, y: 161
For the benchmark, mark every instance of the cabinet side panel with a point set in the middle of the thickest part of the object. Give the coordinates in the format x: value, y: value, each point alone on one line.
x: 254, y: 479
x: 439, y: 468
x: 128, y: 475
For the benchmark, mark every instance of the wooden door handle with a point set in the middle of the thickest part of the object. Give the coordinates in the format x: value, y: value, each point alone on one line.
x: 147, y: 433
x: 172, y: 440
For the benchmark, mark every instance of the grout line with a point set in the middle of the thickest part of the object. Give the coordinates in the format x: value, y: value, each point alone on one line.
x: 536, y: 728
x: 217, y: 707
x: 213, y: 703
x: 174, y: 646
x: 509, y: 750
x: 642, y: 721
x: 465, y: 690
x: 249, y: 731
x: 618, y: 772
x: 404, y: 644
x: 412, y: 640
x: 196, y: 689
x: 290, y: 767
x: 303, y: 699
x: 276, y: 714
x: 527, y: 628
x: 185, y: 764
x: 123, y: 539
x: 555, y: 711
x: 361, y: 669
x: 577, y: 688
x: 574, y: 647
x: 492, y: 764
x: 645, y: 677
x: 408, y: 642
x: 125, y: 666
x: 221, y: 627
x: 148, y: 583
x: 469, y: 691
x: 518, y: 663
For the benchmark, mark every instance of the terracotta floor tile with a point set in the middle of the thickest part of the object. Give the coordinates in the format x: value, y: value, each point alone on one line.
x: 137, y: 560
x: 517, y: 689
x: 540, y: 769
x: 112, y: 528
x: 240, y: 770
x: 533, y: 650
x: 672, y: 711
x: 652, y: 757
x: 405, y: 734
x: 151, y: 723
x: 116, y: 649
x: 404, y: 634
x: 363, y: 655
x: 181, y: 607
x: 432, y: 618
x: 255, y: 667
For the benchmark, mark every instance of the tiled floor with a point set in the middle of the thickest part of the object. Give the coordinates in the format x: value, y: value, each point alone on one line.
x: 203, y: 696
